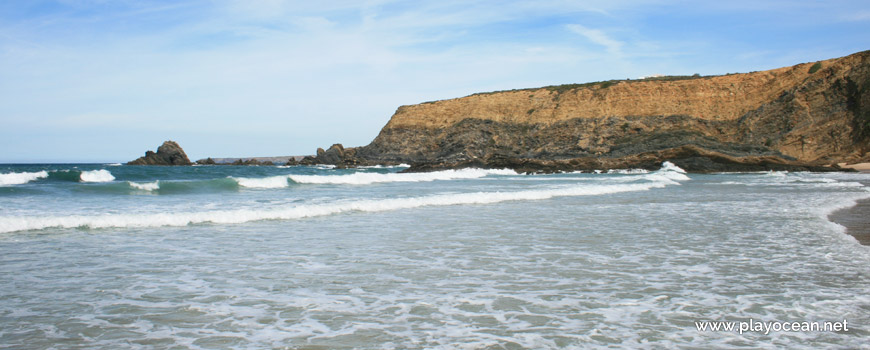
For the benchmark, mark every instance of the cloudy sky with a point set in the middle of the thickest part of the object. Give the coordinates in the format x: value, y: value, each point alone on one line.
x: 104, y: 80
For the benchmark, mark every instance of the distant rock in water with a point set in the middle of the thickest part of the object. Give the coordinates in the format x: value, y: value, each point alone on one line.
x: 207, y: 161
x: 169, y: 153
x: 251, y: 162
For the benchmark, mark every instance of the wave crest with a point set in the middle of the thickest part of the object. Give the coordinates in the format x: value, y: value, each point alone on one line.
x: 101, y: 175
x: 262, y: 182
x: 21, y: 178
x: 13, y: 224
x: 147, y: 186
x: 362, y: 178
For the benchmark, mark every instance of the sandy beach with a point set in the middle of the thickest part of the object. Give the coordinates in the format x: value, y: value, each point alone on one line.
x: 856, y: 219
x: 862, y: 167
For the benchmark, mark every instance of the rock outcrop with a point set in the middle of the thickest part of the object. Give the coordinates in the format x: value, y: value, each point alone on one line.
x: 340, y: 157
x: 787, y: 118
x: 251, y: 161
x: 169, y: 153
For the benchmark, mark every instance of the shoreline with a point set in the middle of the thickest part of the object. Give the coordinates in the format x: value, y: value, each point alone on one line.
x: 859, y: 167
x: 856, y: 219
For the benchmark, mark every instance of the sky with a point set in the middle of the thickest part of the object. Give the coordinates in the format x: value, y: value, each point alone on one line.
x: 106, y: 80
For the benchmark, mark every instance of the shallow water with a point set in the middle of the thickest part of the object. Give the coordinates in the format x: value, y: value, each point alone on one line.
x: 311, y: 257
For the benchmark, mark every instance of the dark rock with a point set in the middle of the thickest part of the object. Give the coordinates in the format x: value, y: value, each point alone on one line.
x: 308, y: 160
x: 207, y: 161
x: 340, y: 157
x: 334, y: 155
x: 169, y: 153
x: 251, y: 162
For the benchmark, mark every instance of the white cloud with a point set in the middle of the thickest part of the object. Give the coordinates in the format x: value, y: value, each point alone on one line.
x: 860, y: 16
x: 596, y: 36
x: 309, y: 73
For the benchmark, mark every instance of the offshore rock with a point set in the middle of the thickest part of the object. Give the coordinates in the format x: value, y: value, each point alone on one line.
x: 789, y: 118
x: 251, y: 162
x: 340, y: 157
x: 169, y: 153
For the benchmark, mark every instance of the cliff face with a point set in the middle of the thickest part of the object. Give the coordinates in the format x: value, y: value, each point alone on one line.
x: 761, y: 120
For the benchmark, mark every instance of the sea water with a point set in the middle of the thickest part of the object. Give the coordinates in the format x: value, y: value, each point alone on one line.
x: 112, y: 256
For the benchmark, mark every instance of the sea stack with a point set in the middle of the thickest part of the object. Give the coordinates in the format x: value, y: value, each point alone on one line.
x: 169, y: 153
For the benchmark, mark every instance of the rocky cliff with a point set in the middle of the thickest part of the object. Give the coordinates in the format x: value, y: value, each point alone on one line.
x: 799, y: 117
x: 169, y: 153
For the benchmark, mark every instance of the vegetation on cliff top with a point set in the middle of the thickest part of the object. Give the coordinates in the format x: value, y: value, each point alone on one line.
x: 600, y: 84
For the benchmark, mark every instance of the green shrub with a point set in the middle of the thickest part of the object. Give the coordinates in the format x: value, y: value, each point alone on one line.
x: 816, y: 67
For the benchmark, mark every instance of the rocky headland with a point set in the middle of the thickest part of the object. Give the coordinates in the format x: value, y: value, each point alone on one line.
x: 809, y: 116
x: 169, y: 153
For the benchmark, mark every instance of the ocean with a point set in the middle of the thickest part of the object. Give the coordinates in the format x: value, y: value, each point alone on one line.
x: 109, y: 256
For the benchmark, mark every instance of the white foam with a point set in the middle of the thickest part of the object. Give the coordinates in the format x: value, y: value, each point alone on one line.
x: 777, y: 173
x: 370, y: 178
x: 12, y: 224
x: 403, y: 165
x: 147, y: 186
x: 669, y: 173
x: 101, y: 175
x: 668, y: 166
x: 114, y: 164
x: 628, y: 171
x: 262, y: 182
x: 21, y: 178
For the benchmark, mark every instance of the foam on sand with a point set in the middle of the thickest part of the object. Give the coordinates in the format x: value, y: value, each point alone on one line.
x: 21, y: 178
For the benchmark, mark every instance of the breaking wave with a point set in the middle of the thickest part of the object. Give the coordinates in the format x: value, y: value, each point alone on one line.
x: 147, y: 186
x: 403, y: 165
x: 13, y: 224
x: 262, y: 182
x: 628, y: 171
x: 101, y: 175
x: 364, y: 178
x: 370, y: 178
x: 57, y: 175
x: 21, y: 178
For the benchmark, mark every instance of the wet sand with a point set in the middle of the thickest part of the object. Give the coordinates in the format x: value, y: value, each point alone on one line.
x: 856, y: 219
x: 862, y: 167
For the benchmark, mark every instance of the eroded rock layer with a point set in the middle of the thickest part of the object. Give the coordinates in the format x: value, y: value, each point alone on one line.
x: 800, y: 117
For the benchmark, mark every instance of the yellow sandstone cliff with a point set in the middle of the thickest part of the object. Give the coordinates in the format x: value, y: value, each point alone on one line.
x: 810, y: 114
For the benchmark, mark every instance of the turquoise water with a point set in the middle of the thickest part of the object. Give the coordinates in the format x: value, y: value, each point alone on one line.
x: 110, y: 256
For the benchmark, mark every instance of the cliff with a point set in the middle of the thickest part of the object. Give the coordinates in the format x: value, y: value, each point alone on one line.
x: 799, y: 117
x: 169, y: 153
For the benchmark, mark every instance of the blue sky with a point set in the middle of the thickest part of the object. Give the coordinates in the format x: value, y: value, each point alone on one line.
x: 103, y: 81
